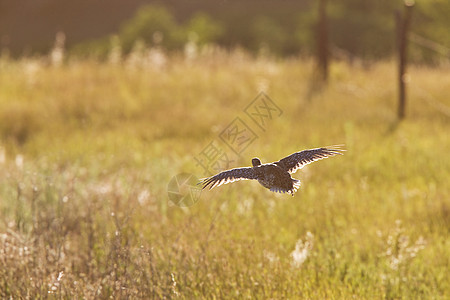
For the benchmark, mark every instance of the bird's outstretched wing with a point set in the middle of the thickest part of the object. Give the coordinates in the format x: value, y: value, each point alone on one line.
x: 228, y: 176
x: 300, y: 159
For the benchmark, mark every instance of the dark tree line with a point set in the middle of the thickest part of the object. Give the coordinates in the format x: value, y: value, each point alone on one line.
x: 361, y: 28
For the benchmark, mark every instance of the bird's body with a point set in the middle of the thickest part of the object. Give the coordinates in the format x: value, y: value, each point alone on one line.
x: 274, y: 176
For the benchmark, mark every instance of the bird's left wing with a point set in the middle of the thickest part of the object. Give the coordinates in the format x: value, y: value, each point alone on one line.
x: 228, y: 176
x: 300, y: 159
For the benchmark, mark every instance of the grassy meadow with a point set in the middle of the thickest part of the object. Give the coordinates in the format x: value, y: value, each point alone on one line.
x: 88, y: 148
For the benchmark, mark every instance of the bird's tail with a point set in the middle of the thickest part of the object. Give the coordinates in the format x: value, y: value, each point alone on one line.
x: 295, y: 186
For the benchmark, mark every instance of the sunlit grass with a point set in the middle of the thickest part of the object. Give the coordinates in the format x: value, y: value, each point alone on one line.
x: 88, y: 149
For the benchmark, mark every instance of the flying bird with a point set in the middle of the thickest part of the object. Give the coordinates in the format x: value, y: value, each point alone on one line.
x: 274, y: 176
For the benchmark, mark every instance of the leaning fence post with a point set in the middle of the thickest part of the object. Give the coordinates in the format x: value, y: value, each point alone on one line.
x: 402, y: 34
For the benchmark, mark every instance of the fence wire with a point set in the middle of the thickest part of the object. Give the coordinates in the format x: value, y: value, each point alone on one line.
x: 432, y: 101
x: 429, y: 44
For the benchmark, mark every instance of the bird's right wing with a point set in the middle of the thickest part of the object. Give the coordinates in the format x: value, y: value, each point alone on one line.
x: 300, y: 159
x: 228, y: 176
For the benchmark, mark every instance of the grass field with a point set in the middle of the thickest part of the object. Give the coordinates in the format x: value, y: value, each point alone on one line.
x: 88, y: 149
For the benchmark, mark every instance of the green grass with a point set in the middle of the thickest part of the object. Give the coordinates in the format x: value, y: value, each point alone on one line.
x: 88, y: 149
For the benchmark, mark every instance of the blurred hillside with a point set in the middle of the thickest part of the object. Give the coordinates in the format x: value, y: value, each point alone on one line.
x: 357, y: 28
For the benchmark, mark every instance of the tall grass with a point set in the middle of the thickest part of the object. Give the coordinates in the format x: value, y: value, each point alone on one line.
x: 88, y: 148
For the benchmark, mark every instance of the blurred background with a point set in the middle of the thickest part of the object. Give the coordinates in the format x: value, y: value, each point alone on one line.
x: 362, y: 29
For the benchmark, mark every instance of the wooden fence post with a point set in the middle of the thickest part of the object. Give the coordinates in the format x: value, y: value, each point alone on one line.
x: 403, y: 23
x: 322, y: 40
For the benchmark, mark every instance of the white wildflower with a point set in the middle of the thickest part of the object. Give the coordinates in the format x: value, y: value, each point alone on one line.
x: 270, y: 256
x: 115, y: 55
x: 244, y: 207
x: 302, y: 250
x: 156, y: 58
x: 400, y: 250
x: 191, y: 48
x: 19, y: 161
x: 2, y: 155
x: 57, y: 53
x: 143, y: 197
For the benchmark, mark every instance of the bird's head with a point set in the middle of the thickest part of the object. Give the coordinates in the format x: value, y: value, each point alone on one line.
x: 256, y: 162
